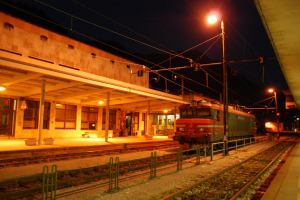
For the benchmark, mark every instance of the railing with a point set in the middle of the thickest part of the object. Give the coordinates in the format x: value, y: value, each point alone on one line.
x: 232, y: 144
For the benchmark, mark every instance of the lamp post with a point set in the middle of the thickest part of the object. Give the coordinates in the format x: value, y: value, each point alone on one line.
x: 271, y: 90
x: 212, y: 19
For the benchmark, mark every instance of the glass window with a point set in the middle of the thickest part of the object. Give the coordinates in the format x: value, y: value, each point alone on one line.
x: 89, y: 118
x: 65, y: 117
x: 195, y: 112
x: 31, y: 115
x: 203, y: 113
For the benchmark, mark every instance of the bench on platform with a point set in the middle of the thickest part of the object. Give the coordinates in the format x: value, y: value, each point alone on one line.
x: 148, y: 137
x: 30, y: 142
x: 48, y: 141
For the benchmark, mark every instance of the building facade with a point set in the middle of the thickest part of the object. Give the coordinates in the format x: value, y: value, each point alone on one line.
x: 54, y: 86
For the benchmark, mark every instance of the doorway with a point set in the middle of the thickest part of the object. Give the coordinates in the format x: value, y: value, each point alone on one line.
x: 128, y: 124
x: 7, y: 116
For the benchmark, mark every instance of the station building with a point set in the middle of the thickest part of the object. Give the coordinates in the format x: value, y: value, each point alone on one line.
x: 53, y: 86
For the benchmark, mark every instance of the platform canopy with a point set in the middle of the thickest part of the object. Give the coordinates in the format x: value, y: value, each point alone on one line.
x: 22, y: 76
x: 281, y: 19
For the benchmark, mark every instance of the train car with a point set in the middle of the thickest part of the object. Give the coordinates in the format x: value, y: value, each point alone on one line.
x: 203, y: 123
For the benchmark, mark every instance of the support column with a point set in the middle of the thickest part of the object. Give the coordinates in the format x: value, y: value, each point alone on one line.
x: 99, y: 123
x: 174, y: 123
x: 41, y: 112
x: 166, y: 122
x: 148, y: 119
x: 107, y: 117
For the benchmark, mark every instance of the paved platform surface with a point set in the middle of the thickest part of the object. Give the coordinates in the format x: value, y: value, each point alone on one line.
x: 286, y: 184
x: 19, y: 144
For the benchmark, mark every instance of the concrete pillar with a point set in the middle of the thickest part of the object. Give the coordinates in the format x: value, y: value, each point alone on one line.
x: 107, y: 117
x: 19, y: 120
x: 166, y: 122
x: 174, y: 124
x: 141, y: 125
x: 148, y: 119
x: 78, y: 118
x: 52, y: 117
x: 41, y: 112
x: 99, y: 123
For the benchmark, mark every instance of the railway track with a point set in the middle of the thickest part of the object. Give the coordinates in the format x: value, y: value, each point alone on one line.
x: 26, y: 157
x: 233, y: 182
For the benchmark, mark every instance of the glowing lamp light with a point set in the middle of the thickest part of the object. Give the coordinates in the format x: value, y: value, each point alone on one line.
x: 270, y: 90
x: 58, y: 105
x: 100, y: 102
x: 268, y: 125
x: 2, y: 88
x: 165, y: 110
x: 212, y: 19
x: 23, y: 105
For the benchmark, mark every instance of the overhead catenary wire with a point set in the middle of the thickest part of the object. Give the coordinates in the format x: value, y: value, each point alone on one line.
x: 172, y: 56
x: 108, y: 29
x: 111, y: 46
x: 94, y: 39
x: 130, y: 38
x: 119, y: 24
x: 189, y: 49
x: 147, y: 38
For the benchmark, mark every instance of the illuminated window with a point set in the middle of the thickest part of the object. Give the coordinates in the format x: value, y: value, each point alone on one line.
x: 89, y: 118
x: 31, y: 115
x: 65, y: 116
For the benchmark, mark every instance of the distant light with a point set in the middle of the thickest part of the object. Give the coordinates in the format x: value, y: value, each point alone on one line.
x: 270, y: 90
x: 58, y: 105
x: 298, y: 118
x: 165, y: 110
x: 100, y: 102
x: 212, y: 19
x: 2, y: 88
x: 268, y: 125
x: 23, y: 105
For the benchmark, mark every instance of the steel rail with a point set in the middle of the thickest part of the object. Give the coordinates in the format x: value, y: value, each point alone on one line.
x: 183, y: 190
x: 246, y: 187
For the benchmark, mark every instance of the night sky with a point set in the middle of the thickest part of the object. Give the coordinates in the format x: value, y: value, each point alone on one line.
x: 171, y: 25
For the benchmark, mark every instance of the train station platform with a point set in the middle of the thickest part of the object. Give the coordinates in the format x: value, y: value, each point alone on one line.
x: 286, y: 184
x: 19, y: 144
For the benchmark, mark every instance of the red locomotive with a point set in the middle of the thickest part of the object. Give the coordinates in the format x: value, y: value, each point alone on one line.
x: 202, y: 122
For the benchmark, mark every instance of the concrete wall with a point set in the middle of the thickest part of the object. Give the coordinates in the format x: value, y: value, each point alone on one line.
x: 38, y: 43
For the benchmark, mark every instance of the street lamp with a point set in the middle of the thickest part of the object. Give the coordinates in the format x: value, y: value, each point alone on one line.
x: 272, y: 90
x: 212, y: 19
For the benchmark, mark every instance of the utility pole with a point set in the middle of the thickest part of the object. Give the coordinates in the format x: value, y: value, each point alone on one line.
x: 225, y: 90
